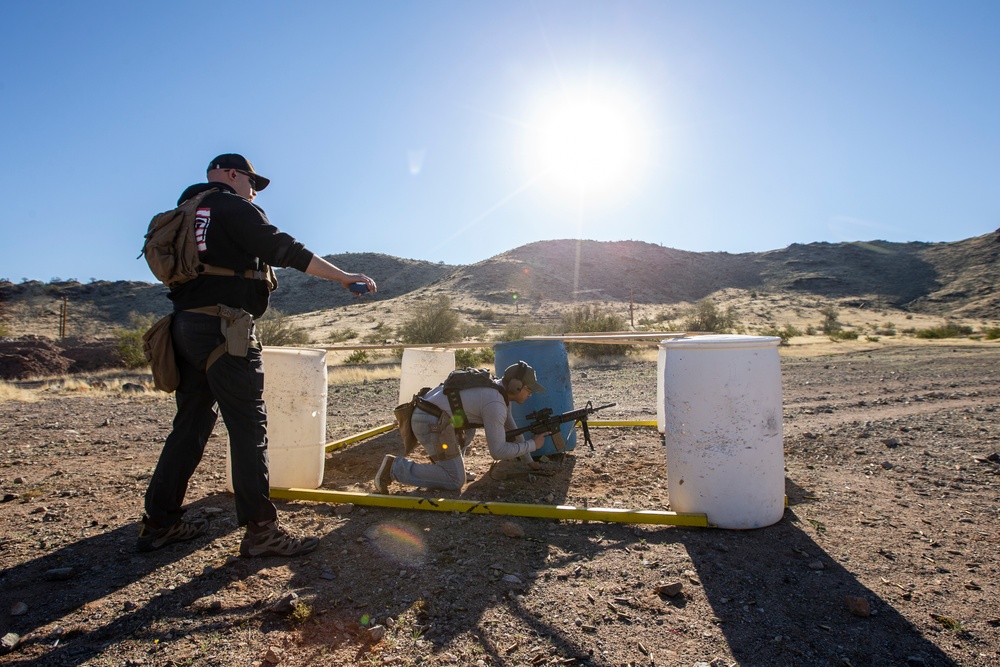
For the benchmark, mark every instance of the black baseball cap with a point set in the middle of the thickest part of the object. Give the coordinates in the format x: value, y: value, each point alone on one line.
x: 237, y: 161
x: 525, y: 373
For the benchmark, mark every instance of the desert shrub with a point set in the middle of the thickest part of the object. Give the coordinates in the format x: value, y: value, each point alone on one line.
x: 887, y: 329
x: 592, y: 319
x: 474, y: 331
x: 379, y: 335
x: 707, y: 316
x: 785, y: 334
x: 437, y: 323
x: 991, y: 333
x: 275, y: 328
x: 831, y: 320
x: 373, y: 338
x: 301, y: 612
x: 342, y: 335
x: 357, y: 357
x: 947, y: 330
x: 474, y: 357
x: 843, y: 334
x: 519, y: 329
x: 128, y: 341
x: 666, y: 316
x: 483, y: 314
x: 661, y: 322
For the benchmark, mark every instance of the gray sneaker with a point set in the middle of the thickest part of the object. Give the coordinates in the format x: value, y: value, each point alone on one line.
x: 271, y: 539
x: 151, y: 538
x: 383, y: 478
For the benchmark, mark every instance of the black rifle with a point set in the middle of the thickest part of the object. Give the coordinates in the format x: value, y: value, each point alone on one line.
x: 543, y: 421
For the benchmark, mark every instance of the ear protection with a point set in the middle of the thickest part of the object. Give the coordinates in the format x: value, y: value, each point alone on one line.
x: 516, y: 381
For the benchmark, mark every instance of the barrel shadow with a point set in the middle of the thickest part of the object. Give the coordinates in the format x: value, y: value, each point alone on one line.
x: 760, y: 605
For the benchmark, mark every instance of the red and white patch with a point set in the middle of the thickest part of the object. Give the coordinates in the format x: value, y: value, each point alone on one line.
x: 202, y: 219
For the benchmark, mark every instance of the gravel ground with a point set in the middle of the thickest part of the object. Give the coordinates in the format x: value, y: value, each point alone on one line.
x: 886, y: 555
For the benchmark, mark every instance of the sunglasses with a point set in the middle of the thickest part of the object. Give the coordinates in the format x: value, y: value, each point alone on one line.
x: 250, y: 178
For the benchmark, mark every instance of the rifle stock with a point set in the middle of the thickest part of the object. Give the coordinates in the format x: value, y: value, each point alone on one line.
x: 543, y: 421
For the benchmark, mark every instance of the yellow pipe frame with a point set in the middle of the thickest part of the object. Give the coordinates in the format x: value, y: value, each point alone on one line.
x: 568, y: 512
x: 607, y: 514
x: 358, y: 437
x: 384, y: 428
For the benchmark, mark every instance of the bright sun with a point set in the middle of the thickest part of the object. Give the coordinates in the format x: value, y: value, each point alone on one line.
x: 587, y: 144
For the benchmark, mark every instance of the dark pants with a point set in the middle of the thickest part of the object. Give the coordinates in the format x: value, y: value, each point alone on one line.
x: 233, y: 386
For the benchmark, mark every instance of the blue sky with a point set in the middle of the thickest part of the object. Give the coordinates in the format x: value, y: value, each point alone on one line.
x: 456, y: 130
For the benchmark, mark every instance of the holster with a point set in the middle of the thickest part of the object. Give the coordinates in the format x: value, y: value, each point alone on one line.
x: 237, y: 327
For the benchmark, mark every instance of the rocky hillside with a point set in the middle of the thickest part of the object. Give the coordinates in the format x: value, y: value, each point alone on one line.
x: 957, y: 278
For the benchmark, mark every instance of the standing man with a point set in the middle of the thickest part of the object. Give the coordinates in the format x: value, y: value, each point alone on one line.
x: 434, y: 427
x: 232, y: 233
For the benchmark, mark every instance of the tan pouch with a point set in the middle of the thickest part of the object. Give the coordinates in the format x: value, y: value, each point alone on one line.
x: 402, y: 413
x: 158, y: 348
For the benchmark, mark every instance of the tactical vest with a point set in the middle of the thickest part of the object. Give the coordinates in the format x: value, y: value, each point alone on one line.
x: 468, y: 378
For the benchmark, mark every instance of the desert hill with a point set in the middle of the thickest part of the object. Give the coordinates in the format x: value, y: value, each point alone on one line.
x: 942, y: 279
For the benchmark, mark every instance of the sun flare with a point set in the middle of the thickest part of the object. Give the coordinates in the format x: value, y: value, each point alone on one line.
x: 587, y: 143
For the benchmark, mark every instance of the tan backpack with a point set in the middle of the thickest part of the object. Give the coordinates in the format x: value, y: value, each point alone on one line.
x: 172, y: 253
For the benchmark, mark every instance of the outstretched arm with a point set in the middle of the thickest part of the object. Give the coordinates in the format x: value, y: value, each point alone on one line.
x: 321, y: 268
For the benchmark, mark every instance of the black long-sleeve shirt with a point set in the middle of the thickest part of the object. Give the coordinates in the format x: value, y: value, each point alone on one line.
x: 235, y: 233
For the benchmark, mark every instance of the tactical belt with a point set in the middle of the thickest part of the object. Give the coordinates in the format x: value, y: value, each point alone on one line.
x: 428, y: 407
x: 209, y: 270
x: 223, y: 312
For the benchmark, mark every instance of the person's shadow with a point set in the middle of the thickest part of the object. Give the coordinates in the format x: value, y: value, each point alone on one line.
x: 440, y: 574
x: 759, y: 603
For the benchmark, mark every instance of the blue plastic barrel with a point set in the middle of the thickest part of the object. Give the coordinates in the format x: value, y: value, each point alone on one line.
x: 551, y: 364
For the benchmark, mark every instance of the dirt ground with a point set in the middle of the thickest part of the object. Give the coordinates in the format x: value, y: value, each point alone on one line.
x: 886, y: 555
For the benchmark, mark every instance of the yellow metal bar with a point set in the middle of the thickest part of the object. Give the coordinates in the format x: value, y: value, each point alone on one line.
x: 628, y: 422
x: 609, y: 514
x: 358, y: 437
x: 378, y: 430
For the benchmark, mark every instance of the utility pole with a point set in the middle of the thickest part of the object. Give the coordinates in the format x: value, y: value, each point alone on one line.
x: 62, y: 319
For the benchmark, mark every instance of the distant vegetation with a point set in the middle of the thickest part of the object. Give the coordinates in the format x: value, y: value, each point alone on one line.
x: 437, y: 323
x: 129, y: 340
x: 707, y: 316
x: 593, y: 319
x: 785, y: 334
x: 947, y: 330
x: 276, y: 328
x: 831, y: 320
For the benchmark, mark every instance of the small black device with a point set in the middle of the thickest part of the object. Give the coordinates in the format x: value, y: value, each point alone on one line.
x: 358, y: 287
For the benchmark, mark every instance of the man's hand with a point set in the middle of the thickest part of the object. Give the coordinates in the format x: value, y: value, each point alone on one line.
x: 353, y: 278
x: 321, y: 268
x: 539, y: 441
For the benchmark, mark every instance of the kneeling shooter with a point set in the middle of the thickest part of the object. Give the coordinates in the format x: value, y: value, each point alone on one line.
x: 445, y: 418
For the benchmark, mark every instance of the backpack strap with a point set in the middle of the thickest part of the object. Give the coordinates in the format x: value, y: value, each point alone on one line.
x: 208, y: 269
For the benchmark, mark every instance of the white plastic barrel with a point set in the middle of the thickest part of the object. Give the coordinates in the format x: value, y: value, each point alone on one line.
x: 661, y: 359
x: 295, y: 389
x: 723, y: 430
x: 423, y: 367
